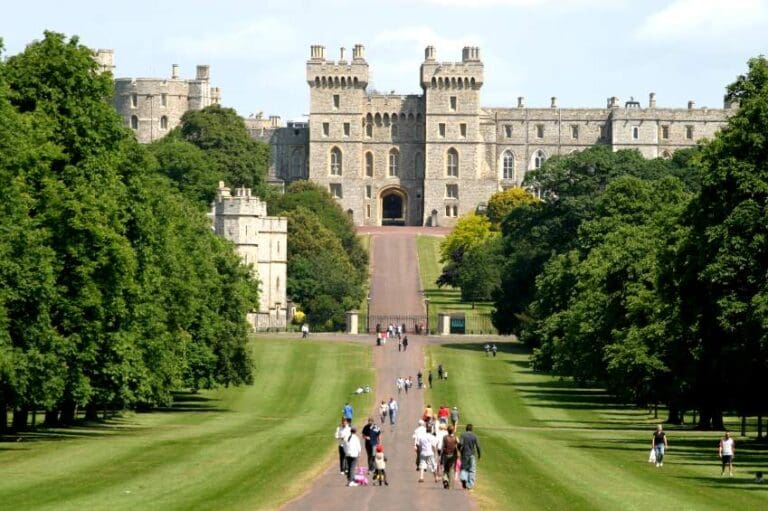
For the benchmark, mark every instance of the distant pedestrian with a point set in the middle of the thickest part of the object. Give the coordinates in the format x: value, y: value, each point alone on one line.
x: 405, y: 343
x: 304, y: 331
x: 468, y: 445
x: 399, y: 344
x: 352, y: 449
x: 399, y: 383
x: 449, y: 456
x: 421, y: 428
x: 494, y: 349
x: 372, y: 436
x: 408, y: 384
x: 393, y: 409
x: 420, y: 379
x: 487, y: 349
x: 429, y: 378
x: 380, y: 466
x: 342, y: 434
x: 726, y: 452
x: 383, y: 411
x: 455, y: 418
x: 347, y: 413
x: 659, y: 444
x: 426, y: 449
x: 440, y: 372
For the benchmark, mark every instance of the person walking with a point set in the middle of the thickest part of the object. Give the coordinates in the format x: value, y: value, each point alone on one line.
x: 399, y: 383
x: 399, y: 344
x: 455, y: 418
x: 408, y: 384
x: 487, y: 349
x: 659, y: 445
x: 371, y: 434
x: 468, y: 445
x: 380, y: 462
x: 405, y: 343
x: 347, y: 413
x: 450, y: 455
x: 426, y: 449
x: 352, y: 450
x: 494, y: 349
x: 429, y: 378
x: 393, y: 409
x: 726, y: 452
x: 304, y: 331
x: 342, y: 433
x: 420, y: 379
x: 421, y: 428
x: 383, y: 411
x: 440, y: 371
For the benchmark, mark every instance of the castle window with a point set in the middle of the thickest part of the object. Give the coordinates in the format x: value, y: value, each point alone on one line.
x: 452, y: 191
x: 665, y: 132
x: 448, y: 210
x: 689, y: 132
x: 368, y: 191
x: 164, y: 123
x: 134, y: 122
x: 574, y: 131
x: 394, y: 162
x: 336, y: 163
x: 163, y: 99
x: 508, y: 165
x: 453, y: 103
x: 336, y: 101
x: 326, y: 129
x: 394, y: 130
x: 540, y: 131
x: 441, y: 129
x: 335, y: 189
x: 635, y: 132
x: 508, y: 130
x: 134, y: 100
x: 463, y: 130
x: 369, y: 164
x: 369, y: 130
x: 452, y: 163
x: 346, y: 129
x: 367, y: 211
x: 538, y: 159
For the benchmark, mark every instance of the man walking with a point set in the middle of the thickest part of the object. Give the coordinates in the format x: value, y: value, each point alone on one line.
x: 468, y: 444
x: 346, y: 412
x: 393, y: 408
x: 371, y: 434
x: 455, y: 417
x: 352, y: 450
x: 342, y: 434
x: 405, y: 343
x: 725, y: 451
x: 429, y: 378
x: 440, y: 372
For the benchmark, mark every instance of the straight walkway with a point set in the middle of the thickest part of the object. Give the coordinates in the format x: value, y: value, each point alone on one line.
x: 395, y: 289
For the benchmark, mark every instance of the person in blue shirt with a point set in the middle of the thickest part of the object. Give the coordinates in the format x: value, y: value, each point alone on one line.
x: 347, y: 413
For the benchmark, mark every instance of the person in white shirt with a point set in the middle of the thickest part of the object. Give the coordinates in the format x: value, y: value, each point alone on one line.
x: 393, y: 408
x: 342, y: 433
x: 352, y: 450
x: 416, y: 434
x: 726, y: 451
x: 442, y: 432
x: 427, y: 448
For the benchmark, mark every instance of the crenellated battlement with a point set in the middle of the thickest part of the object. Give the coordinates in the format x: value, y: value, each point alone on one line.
x: 341, y: 74
x: 463, y: 75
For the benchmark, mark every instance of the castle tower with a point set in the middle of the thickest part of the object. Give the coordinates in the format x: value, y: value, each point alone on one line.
x: 454, y: 170
x: 337, y: 91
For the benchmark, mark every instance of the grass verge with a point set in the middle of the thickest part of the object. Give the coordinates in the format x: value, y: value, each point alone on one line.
x: 251, y: 447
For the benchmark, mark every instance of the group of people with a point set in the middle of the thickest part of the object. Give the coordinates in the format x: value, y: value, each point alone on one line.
x: 440, y: 451
x: 725, y: 450
x: 490, y: 349
x: 350, y: 449
x: 388, y: 409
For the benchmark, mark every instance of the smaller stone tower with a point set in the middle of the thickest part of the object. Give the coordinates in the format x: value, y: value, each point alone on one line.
x: 261, y: 241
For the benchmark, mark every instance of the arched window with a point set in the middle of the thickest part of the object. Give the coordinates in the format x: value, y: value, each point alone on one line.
x: 538, y: 159
x: 418, y: 165
x: 134, y: 122
x: 508, y: 165
x: 369, y: 164
x: 394, y: 162
x: 164, y: 123
x: 336, y: 163
x: 369, y: 130
x: 452, y: 163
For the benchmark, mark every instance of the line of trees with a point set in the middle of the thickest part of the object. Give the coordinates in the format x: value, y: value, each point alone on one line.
x: 651, y: 276
x: 113, y: 290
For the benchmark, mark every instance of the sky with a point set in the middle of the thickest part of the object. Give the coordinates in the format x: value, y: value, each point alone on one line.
x: 581, y: 51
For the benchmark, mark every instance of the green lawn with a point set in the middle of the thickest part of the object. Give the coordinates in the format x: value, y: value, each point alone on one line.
x: 448, y: 299
x: 550, y: 445
x: 238, y: 448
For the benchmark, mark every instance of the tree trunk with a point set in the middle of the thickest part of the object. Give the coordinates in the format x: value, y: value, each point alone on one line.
x: 655, y: 410
x: 34, y: 417
x: 91, y: 412
x: 674, y: 415
x: 68, y: 412
x: 51, y: 418
x: 759, y: 427
x: 3, y: 417
x: 717, y: 420
x: 20, y: 419
x: 743, y: 425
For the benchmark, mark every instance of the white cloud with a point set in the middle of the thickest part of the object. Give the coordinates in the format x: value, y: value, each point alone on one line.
x: 702, y: 19
x: 249, y: 40
x: 524, y: 3
x: 423, y: 36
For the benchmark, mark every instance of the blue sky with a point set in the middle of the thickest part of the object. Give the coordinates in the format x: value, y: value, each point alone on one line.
x: 581, y: 51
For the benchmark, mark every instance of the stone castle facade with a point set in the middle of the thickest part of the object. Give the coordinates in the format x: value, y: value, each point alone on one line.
x: 261, y: 241
x: 427, y: 159
x: 152, y: 107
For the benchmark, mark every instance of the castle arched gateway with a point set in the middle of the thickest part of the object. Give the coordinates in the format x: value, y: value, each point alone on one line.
x: 393, y: 205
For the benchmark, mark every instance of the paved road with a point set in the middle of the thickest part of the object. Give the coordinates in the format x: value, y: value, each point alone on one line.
x: 395, y: 289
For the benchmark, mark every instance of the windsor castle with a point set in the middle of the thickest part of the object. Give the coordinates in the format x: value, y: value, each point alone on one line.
x: 421, y: 159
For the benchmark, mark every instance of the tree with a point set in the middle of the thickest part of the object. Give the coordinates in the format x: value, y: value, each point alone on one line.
x: 188, y: 167
x: 479, y: 274
x: 471, y: 230
x: 501, y: 203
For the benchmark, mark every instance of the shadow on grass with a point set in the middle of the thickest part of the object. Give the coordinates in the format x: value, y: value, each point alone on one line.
x: 189, y: 401
x: 728, y: 483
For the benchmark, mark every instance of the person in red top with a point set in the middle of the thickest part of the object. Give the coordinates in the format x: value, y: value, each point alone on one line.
x: 442, y: 414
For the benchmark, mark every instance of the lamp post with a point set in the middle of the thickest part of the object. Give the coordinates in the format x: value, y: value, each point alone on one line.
x: 368, y: 315
x: 426, y: 303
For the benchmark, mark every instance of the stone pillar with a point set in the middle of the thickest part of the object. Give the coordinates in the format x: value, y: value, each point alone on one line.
x: 443, y: 323
x: 352, y: 322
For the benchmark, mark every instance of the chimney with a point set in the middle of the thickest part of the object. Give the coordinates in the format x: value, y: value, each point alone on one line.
x: 341, y: 54
x: 465, y: 54
x: 521, y: 102
x: 317, y: 52
x: 203, y: 73
x: 554, y: 102
x: 691, y: 105
x: 613, y: 102
x: 358, y: 52
x: 652, y: 100
x: 429, y: 53
x: 175, y: 72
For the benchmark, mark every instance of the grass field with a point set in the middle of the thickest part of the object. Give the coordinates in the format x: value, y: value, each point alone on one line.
x: 238, y: 448
x: 550, y: 445
x: 447, y: 299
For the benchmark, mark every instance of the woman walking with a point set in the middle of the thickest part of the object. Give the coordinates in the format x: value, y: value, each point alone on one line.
x: 725, y: 451
x: 659, y: 444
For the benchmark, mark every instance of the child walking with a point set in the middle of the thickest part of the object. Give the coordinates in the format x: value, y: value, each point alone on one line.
x: 380, y: 462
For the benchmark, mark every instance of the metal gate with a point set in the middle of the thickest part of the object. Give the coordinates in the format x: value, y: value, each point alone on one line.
x: 410, y: 323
